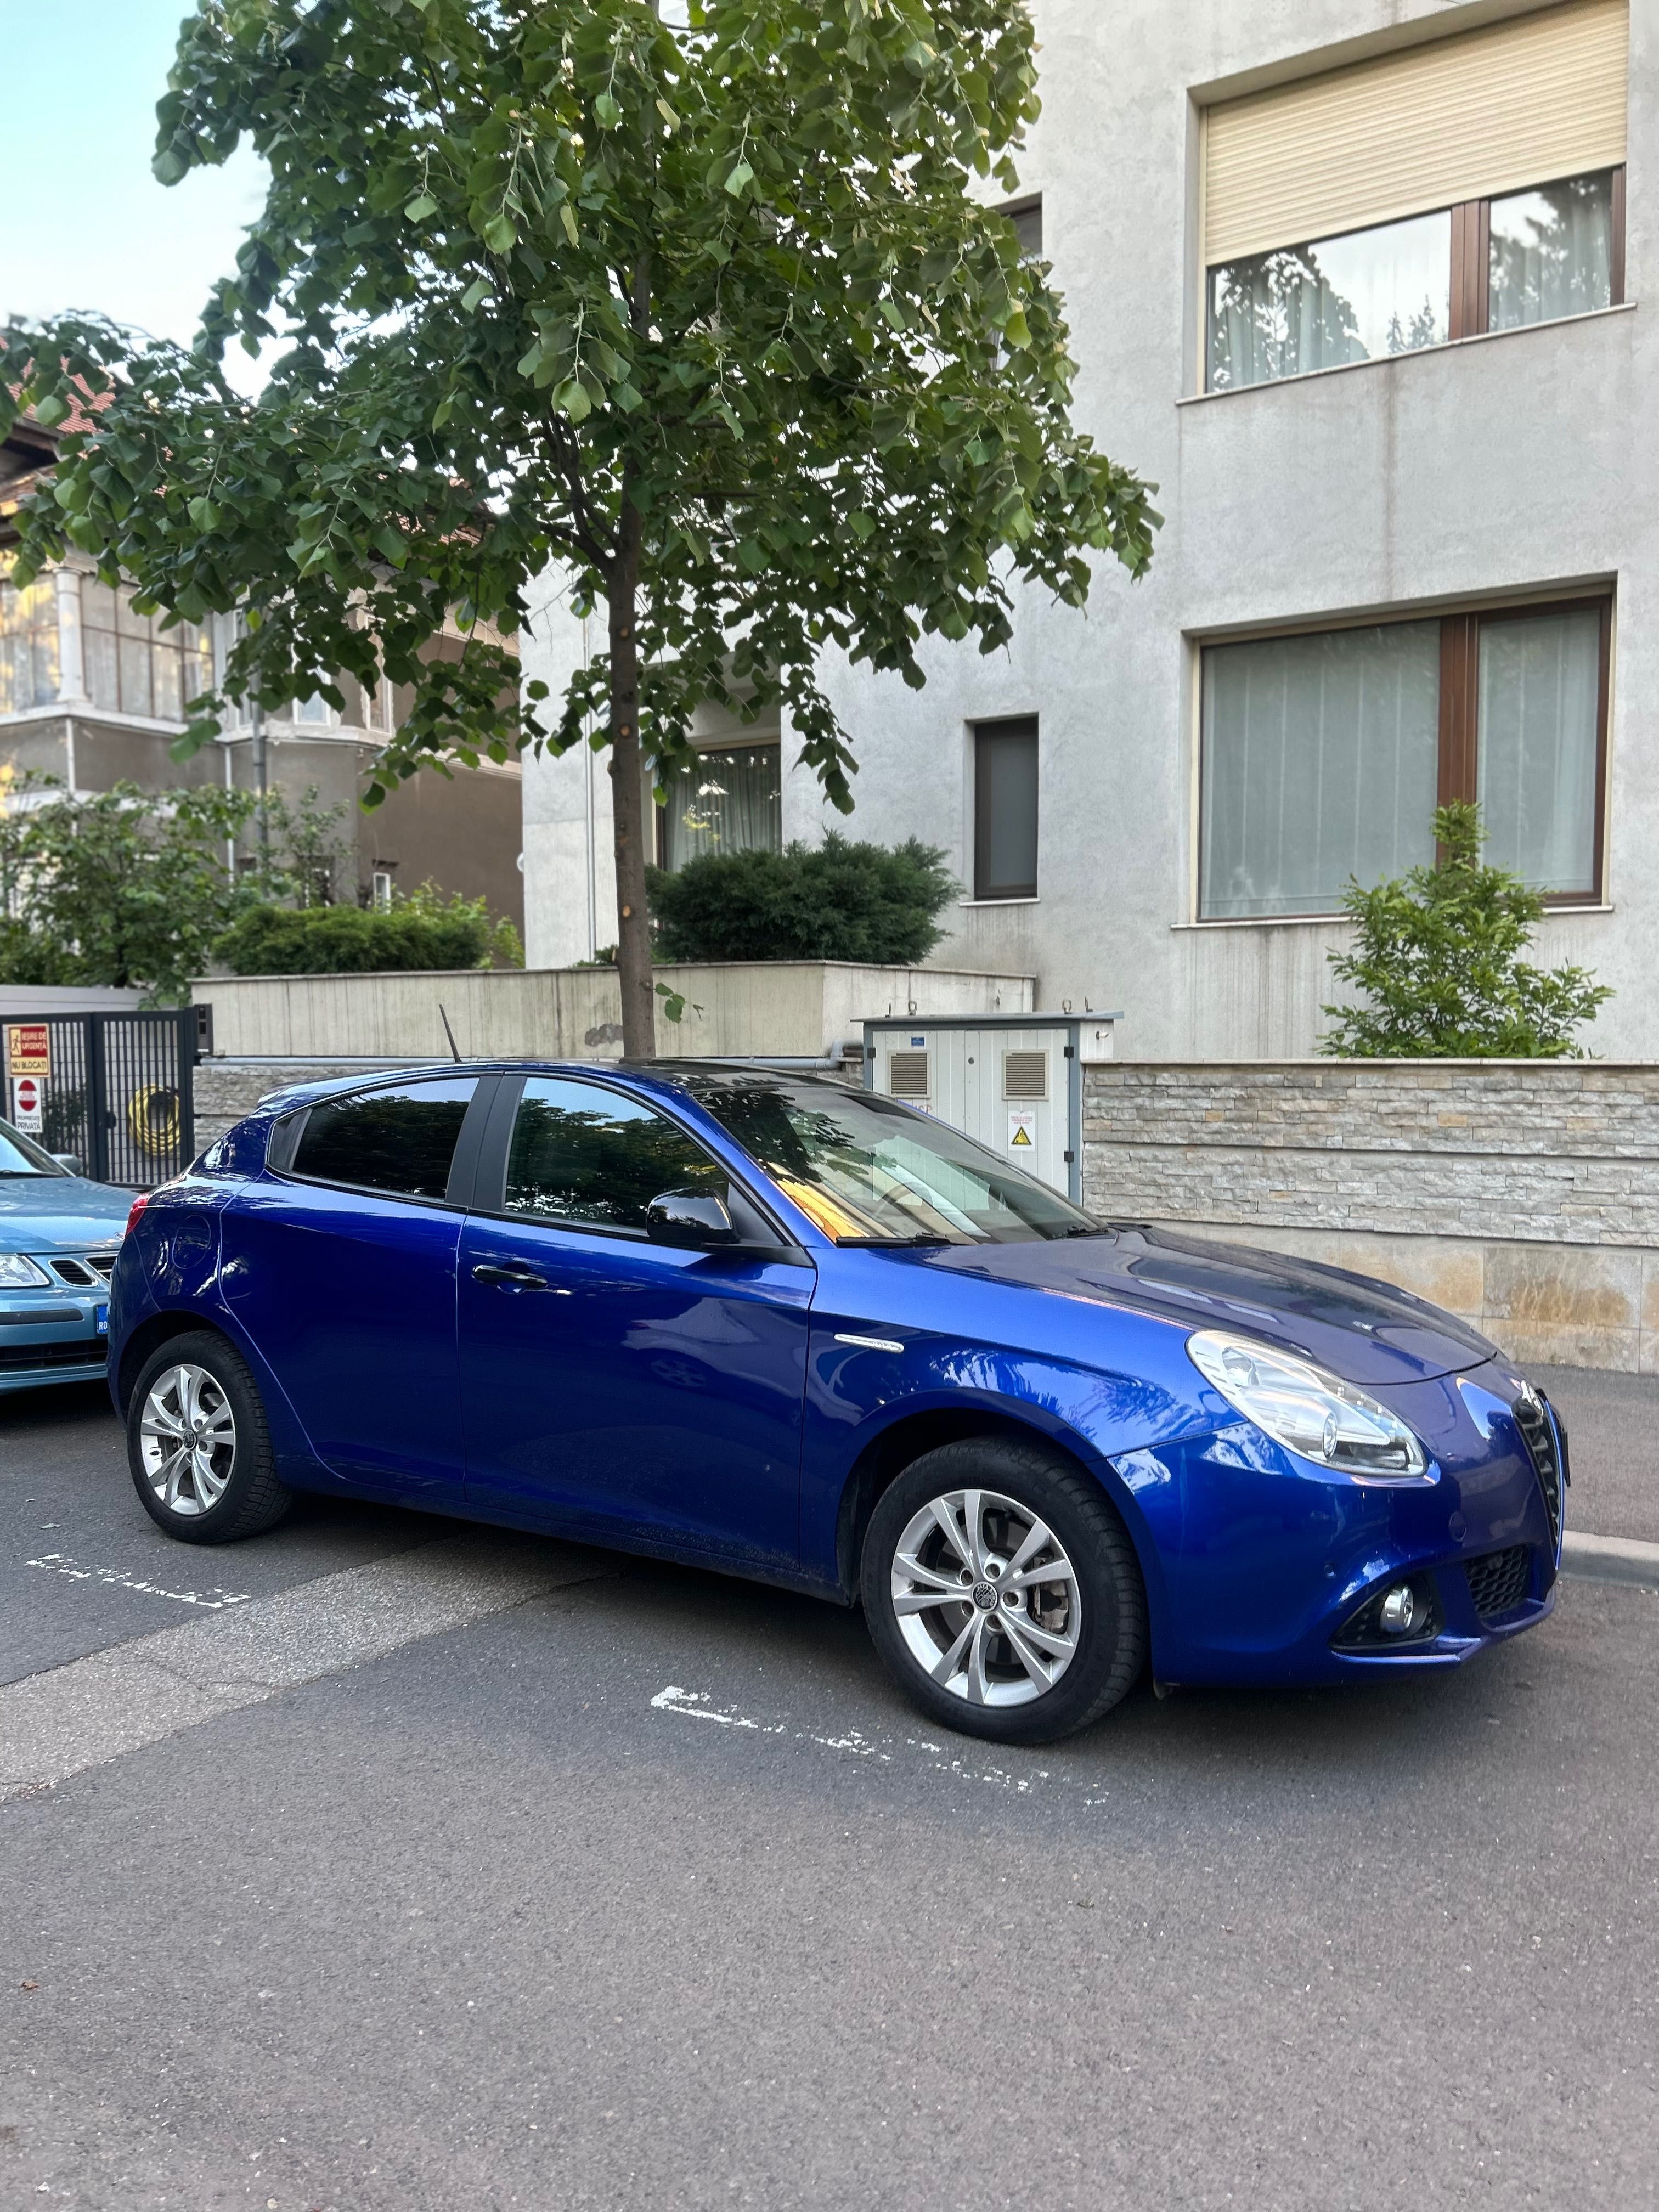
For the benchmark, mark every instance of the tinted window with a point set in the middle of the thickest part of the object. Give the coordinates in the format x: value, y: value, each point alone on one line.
x: 401, y: 1140
x: 584, y: 1154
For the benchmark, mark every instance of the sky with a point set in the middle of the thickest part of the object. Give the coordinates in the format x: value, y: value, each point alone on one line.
x: 87, y: 226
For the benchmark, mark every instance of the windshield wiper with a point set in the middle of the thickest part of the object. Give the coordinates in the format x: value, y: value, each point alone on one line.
x: 894, y: 1243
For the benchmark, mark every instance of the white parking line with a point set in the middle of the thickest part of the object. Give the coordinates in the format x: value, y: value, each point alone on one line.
x: 57, y: 1723
x: 211, y: 1601
x: 695, y: 1705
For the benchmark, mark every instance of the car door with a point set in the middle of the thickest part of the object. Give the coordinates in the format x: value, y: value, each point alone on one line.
x: 341, y: 1267
x: 648, y: 1394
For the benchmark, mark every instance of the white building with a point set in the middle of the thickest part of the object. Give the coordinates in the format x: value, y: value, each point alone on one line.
x: 1359, y: 284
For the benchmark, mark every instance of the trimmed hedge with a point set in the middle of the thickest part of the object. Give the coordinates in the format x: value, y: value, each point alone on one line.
x: 340, y: 940
x: 838, y: 900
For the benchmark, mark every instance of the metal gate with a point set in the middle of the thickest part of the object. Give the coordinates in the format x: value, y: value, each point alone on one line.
x: 120, y: 1093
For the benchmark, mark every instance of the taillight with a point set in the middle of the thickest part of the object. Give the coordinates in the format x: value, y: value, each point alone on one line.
x: 139, y: 1205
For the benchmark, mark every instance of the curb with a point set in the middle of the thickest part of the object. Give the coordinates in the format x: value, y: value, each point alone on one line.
x: 1610, y: 1559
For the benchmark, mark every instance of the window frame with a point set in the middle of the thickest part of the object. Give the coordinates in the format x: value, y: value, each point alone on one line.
x: 1458, y: 736
x: 283, y: 1145
x: 488, y: 1191
x: 1468, y: 314
x: 1003, y: 726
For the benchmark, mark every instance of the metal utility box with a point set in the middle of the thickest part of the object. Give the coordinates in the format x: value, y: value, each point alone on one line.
x: 1014, y: 1082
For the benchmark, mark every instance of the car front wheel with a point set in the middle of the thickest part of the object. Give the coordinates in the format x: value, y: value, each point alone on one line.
x: 197, y: 1444
x: 1003, y: 1593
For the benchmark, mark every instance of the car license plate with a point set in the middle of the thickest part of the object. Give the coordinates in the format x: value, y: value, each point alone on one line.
x: 101, y: 1318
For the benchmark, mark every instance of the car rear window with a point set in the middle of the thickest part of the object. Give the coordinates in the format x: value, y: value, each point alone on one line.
x: 401, y: 1140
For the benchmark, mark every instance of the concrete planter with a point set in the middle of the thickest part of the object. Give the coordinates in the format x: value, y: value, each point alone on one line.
x: 788, y: 1008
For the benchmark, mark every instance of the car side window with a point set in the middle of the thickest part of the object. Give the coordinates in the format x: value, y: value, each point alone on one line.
x: 588, y: 1156
x: 401, y: 1139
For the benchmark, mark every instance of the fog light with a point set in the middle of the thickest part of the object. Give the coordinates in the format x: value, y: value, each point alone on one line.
x: 1399, y: 1612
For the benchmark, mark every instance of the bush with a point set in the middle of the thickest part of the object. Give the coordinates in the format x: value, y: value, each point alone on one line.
x: 1438, y: 957
x: 838, y: 900
x: 420, y: 932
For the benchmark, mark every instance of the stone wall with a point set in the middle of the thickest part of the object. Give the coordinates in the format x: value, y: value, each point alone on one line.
x: 1523, y: 1196
x: 226, y: 1090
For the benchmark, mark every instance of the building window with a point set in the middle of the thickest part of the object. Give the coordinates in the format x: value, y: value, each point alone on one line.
x: 379, y: 702
x: 28, y: 645
x: 1323, y: 756
x: 1026, y: 216
x: 1005, y: 809
x: 135, y: 666
x: 314, y: 713
x: 379, y: 890
x: 1460, y: 185
x: 730, y: 799
x: 1490, y: 264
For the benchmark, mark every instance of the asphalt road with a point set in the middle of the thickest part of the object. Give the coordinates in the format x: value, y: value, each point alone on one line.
x: 378, y: 1863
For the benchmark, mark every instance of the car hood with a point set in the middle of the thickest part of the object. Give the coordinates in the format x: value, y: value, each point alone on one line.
x: 60, y: 1213
x: 1365, y: 1332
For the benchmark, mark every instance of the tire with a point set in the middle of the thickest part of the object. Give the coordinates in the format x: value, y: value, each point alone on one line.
x: 223, y: 1485
x: 1073, y: 1641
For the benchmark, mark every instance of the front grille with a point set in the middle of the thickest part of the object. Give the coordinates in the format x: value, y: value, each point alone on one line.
x: 80, y: 1352
x: 88, y: 1271
x: 1500, y: 1582
x: 1532, y: 1418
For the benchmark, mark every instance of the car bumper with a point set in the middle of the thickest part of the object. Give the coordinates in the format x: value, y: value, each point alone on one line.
x: 1264, y: 1562
x: 47, y: 1337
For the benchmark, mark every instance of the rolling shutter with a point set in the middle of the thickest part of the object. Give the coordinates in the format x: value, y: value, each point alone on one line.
x: 1462, y: 119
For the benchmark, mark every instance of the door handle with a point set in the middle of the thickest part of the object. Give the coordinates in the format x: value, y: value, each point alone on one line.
x: 509, y: 1279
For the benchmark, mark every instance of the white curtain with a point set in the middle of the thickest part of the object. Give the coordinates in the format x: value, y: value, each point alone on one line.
x: 1540, y: 685
x: 1320, y: 763
x: 1354, y: 298
x: 731, y: 800
x: 1552, y: 253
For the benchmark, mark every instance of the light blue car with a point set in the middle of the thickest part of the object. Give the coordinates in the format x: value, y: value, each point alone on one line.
x: 58, y: 1237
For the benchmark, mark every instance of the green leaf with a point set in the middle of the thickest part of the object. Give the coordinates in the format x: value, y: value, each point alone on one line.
x: 607, y: 111
x: 51, y: 410
x: 390, y: 544
x: 203, y: 514
x: 476, y: 293
x: 572, y: 399
x: 500, y: 233
x: 668, y: 115
x: 739, y: 180
x: 419, y: 207
x: 568, y: 217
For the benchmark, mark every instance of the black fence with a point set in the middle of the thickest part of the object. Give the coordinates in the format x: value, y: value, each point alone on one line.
x: 121, y: 1093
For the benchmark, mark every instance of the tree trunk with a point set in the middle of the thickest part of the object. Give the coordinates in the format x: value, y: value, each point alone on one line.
x: 638, y: 1004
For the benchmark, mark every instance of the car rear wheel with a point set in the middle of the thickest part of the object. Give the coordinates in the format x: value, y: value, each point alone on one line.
x: 198, y: 1446
x: 1003, y: 1593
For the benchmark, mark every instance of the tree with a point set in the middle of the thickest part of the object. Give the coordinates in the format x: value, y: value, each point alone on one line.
x: 714, y: 315
x: 1438, y: 957
x: 122, y: 886
x: 837, y: 900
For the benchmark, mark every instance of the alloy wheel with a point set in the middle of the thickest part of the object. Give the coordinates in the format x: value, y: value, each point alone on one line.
x: 187, y: 1439
x: 986, y: 1599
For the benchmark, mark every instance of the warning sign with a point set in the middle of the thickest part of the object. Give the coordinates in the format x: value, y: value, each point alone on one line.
x: 26, y: 1103
x: 29, y: 1049
x: 1022, y: 1129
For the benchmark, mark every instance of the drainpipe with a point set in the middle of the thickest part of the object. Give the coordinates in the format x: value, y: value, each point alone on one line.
x: 261, y: 781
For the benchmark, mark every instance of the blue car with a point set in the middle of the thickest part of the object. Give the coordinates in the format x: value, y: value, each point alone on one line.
x: 58, y: 1234
x: 762, y: 1322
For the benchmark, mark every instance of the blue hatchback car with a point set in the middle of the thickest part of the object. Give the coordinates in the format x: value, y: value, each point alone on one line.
x: 58, y: 1234
x: 763, y: 1322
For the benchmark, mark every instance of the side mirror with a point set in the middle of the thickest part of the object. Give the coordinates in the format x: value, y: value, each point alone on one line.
x: 69, y: 1162
x: 690, y: 1219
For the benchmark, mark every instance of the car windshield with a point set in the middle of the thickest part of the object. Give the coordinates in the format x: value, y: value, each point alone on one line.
x: 868, y: 1171
x: 20, y: 1156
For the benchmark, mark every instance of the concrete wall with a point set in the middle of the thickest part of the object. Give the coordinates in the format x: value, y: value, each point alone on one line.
x: 1521, y: 1194
x: 1516, y: 463
x: 791, y: 1008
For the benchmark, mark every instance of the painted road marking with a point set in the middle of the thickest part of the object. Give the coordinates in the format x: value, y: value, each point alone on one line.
x: 94, y: 1709
x: 696, y: 1705
x: 211, y: 1601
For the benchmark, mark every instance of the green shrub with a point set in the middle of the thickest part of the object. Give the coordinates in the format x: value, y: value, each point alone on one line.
x: 838, y: 900
x: 1437, y: 956
x: 423, y: 931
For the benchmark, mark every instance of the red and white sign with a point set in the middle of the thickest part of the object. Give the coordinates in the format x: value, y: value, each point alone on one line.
x: 29, y: 1049
x: 26, y: 1103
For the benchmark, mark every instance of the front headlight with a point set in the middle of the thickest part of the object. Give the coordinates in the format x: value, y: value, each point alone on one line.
x: 1306, y: 1410
x: 20, y: 1274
